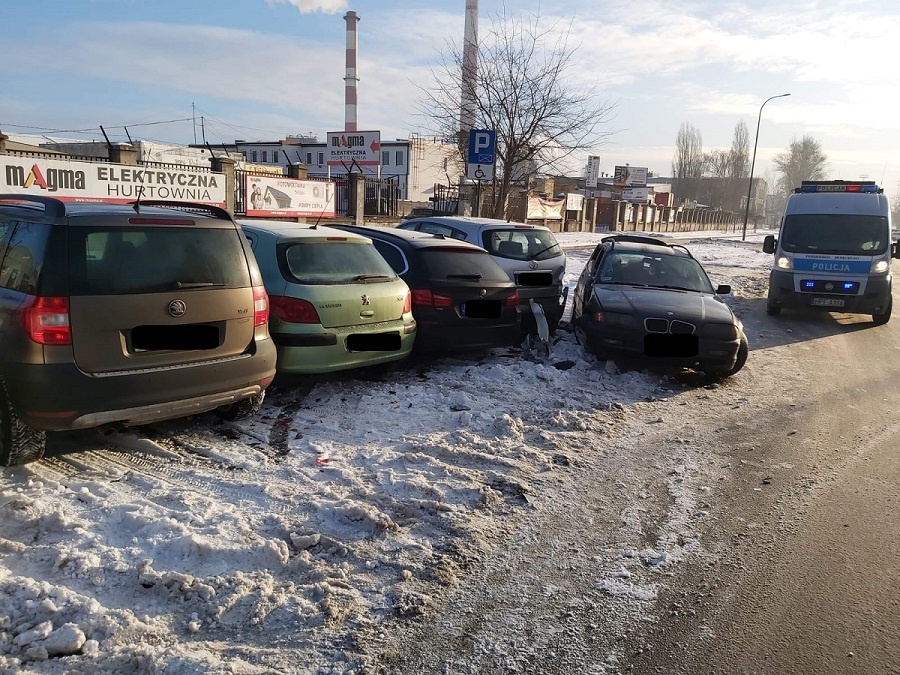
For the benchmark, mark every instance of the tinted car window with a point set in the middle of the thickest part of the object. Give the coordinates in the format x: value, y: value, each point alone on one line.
x: 108, y: 261
x: 336, y: 262
x: 439, y: 228
x: 522, y: 244
x: 457, y: 263
x: 393, y: 255
x: 22, y: 262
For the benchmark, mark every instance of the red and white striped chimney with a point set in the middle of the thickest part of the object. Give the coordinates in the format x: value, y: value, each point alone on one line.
x: 351, y: 78
x: 468, y: 110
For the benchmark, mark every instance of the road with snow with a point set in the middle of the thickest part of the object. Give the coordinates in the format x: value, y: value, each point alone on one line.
x: 499, y: 513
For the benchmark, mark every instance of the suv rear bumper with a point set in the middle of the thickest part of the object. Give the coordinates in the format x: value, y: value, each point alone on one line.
x: 60, y: 397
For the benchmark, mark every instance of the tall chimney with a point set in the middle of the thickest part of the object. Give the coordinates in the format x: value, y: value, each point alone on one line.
x: 350, y: 78
x: 468, y: 110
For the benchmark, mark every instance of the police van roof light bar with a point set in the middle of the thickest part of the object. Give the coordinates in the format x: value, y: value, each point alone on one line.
x: 867, y: 186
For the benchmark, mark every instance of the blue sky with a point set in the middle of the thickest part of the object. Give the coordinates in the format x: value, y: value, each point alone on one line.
x: 261, y: 69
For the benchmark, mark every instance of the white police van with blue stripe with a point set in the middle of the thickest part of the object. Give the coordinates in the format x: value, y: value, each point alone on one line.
x: 834, y: 250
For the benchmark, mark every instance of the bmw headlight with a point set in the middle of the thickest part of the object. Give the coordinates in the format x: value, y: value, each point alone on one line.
x: 720, y: 331
x: 880, y: 266
x: 784, y: 263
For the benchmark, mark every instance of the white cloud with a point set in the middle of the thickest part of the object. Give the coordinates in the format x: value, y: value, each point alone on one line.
x: 308, y: 6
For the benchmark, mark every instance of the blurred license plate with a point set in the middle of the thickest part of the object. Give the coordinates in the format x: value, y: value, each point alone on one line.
x: 828, y: 302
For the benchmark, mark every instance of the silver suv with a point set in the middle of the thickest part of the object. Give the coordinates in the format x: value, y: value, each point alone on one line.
x: 124, y: 314
x: 530, y: 255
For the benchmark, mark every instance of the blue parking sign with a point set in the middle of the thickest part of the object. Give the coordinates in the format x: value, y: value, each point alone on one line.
x: 482, y: 146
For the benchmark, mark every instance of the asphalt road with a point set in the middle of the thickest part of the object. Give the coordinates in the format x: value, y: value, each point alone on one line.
x: 811, y: 523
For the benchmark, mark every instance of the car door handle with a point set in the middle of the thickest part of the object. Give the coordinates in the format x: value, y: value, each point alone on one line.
x: 367, y: 314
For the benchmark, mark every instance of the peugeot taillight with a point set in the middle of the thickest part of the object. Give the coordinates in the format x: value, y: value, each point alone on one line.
x: 260, y: 306
x: 407, y: 303
x: 294, y: 310
x: 47, y: 320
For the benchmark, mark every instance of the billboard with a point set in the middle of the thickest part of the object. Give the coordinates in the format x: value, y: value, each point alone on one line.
x: 266, y: 196
x: 343, y: 148
x: 628, y: 176
x: 593, y: 171
x: 635, y: 194
x: 76, y: 181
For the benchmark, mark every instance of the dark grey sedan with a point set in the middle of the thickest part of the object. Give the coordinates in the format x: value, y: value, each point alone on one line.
x: 642, y: 297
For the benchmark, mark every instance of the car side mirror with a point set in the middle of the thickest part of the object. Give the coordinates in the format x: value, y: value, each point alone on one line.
x: 723, y: 289
x: 895, y: 249
x: 769, y: 244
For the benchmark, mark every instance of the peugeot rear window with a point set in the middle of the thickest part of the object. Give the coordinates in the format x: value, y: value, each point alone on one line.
x: 522, y: 244
x: 337, y: 262
x: 460, y: 263
x: 113, y: 261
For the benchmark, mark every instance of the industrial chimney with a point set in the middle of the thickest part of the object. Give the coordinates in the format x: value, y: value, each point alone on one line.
x: 468, y: 109
x: 350, y: 78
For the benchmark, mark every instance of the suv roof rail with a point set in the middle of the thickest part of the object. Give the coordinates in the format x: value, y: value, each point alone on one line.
x: 197, y: 207
x: 636, y: 239
x: 54, y: 208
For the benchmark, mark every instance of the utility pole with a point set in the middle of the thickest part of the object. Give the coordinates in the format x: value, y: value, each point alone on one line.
x: 194, y: 118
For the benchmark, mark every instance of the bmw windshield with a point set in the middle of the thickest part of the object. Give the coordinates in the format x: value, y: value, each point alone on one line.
x: 634, y: 268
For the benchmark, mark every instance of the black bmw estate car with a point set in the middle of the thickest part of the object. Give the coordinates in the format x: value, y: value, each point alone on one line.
x: 640, y: 296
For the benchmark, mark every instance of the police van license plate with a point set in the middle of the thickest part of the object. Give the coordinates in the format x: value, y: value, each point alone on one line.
x: 828, y: 302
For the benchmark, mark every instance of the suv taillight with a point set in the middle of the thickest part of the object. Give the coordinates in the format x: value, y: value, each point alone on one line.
x: 47, y: 320
x: 260, y: 306
x: 294, y: 310
x: 513, y: 300
x: 426, y: 298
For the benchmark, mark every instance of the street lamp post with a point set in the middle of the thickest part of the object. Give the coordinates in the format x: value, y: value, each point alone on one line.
x: 753, y: 165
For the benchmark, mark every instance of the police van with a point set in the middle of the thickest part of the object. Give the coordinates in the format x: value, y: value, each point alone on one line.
x: 833, y: 250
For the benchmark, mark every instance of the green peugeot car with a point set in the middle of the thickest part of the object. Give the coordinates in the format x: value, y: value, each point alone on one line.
x: 335, y: 304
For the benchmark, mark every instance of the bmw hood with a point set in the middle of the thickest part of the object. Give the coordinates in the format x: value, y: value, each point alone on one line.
x: 655, y: 302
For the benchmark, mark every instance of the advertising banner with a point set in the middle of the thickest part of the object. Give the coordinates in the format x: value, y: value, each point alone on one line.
x: 574, y: 201
x: 270, y: 196
x: 593, y: 171
x: 346, y: 147
x: 635, y: 194
x: 627, y: 176
x: 76, y: 181
x: 546, y: 209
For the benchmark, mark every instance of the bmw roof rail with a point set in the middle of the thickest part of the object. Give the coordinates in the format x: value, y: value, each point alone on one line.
x: 54, y: 208
x: 196, y: 207
x: 636, y: 239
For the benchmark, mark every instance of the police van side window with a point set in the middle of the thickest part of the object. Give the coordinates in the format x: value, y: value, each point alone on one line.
x: 22, y: 261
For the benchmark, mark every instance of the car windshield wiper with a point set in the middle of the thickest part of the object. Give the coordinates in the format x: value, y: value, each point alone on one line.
x: 673, y: 288
x: 475, y: 277
x: 371, y: 277
x: 541, y: 252
x: 197, y: 284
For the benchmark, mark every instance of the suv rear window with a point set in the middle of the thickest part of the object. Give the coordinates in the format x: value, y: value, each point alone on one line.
x: 113, y: 261
x: 337, y: 262
x: 459, y: 263
x: 522, y: 244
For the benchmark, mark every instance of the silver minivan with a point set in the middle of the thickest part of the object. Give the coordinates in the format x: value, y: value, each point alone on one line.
x: 530, y: 254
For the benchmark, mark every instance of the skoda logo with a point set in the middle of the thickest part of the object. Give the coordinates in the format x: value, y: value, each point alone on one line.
x: 532, y: 264
x: 483, y: 292
x: 177, y: 308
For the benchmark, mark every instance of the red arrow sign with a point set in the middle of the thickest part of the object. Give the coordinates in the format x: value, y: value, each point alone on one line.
x: 375, y: 146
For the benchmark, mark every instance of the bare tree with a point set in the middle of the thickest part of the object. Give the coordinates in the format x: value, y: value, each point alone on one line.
x: 804, y: 160
x: 689, y: 162
x: 521, y: 91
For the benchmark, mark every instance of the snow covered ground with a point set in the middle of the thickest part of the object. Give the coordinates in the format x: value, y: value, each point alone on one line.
x: 292, y: 542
